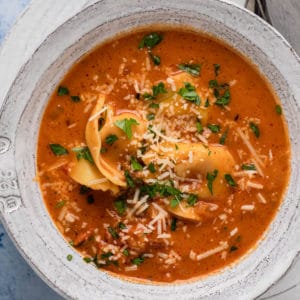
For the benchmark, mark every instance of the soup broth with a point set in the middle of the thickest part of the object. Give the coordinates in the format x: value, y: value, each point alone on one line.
x: 163, y: 156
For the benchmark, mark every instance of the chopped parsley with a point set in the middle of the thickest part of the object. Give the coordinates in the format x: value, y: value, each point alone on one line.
x: 173, y: 224
x: 138, y: 260
x: 129, y: 179
x: 126, y: 125
x: 106, y: 255
x: 156, y: 90
x: 150, y: 40
x: 150, y: 117
x: 214, y: 128
x: 113, y: 232
x: 192, y: 69
x: 135, y: 165
x: 84, y: 190
x: 126, y: 252
x: 210, y: 179
x: 83, y: 153
x: 233, y: 248
x: 221, y: 92
x: 206, y: 103
x: 217, y: 69
x: 60, y: 204
x: 121, y: 225
x: 87, y: 259
x: 155, y: 59
x: 120, y: 205
x: 143, y: 149
x: 62, y: 91
x: 75, y: 99
x: 192, y: 199
x: 58, y: 149
x: 278, y: 109
x: 255, y: 129
x: 188, y: 92
x: 69, y: 257
x: 230, y: 180
x: 90, y: 199
x: 151, y: 168
x: 249, y: 167
x: 110, y: 139
x: 154, y: 105
x: 224, y: 137
x: 199, y: 126
x: 174, y: 202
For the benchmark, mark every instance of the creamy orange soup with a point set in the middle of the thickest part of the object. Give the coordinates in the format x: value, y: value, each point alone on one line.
x: 163, y: 156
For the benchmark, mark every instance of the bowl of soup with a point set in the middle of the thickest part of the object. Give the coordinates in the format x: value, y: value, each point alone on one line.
x: 151, y: 152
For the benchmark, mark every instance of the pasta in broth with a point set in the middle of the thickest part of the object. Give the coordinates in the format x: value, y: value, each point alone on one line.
x: 163, y: 156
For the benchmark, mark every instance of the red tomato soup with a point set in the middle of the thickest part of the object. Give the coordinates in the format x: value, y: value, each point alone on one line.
x: 163, y: 156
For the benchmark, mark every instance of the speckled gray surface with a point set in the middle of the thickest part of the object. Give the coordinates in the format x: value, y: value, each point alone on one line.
x: 17, y: 280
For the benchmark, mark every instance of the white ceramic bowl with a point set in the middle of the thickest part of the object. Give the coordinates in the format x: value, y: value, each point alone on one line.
x: 24, y: 213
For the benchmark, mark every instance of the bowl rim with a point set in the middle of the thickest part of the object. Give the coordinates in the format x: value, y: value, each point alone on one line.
x: 3, y: 217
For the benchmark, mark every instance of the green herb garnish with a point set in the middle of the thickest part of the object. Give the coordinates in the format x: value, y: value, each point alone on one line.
x: 249, y: 167
x: 188, y: 92
x: 84, y: 190
x: 103, y: 150
x: 210, y: 179
x: 221, y: 92
x: 255, y: 129
x: 206, y: 103
x: 69, y: 257
x: 230, y: 180
x: 60, y: 204
x: 121, y: 225
x: 173, y: 224
x: 129, y: 179
x: 138, y: 260
x: 126, y: 252
x: 156, y: 90
x: 150, y: 40
x: 192, y: 69
x: 83, y: 153
x: 126, y: 125
x: 120, y: 205
x: 233, y: 248
x: 199, y: 126
x: 62, y: 91
x: 75, y: 99
x: 192, y: 199
x: 151, y: 168
x: 90, y: 199
x: 214, y: 128
x: 217, y: 69
x: 150, y: 117
x: 278, y: 109
x: 113, y: 232
x: 135, y: 165
x: 154, y: 105
x: 110, y: 139
x: 155, y: 59
x: 87, y: 259
x: 224, y: 137
x: 58, y: 149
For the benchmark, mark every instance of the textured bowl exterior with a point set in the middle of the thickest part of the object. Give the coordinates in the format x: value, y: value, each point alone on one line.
x: 23, y: 211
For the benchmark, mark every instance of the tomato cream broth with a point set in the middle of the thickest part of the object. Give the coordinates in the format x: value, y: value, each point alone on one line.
x: 163, y: 156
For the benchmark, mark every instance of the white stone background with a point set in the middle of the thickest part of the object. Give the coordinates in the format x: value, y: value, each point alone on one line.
x: 17, y: 279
